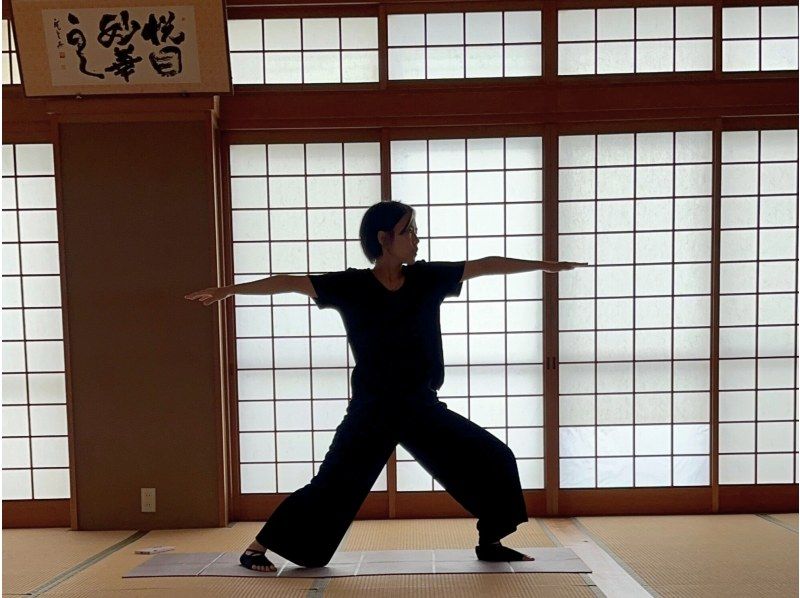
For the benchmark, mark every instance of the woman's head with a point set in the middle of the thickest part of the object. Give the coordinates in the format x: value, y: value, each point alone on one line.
x: 388, y: 228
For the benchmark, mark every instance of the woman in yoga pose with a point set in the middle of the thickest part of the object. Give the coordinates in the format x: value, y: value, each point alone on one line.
x: 391, y: 315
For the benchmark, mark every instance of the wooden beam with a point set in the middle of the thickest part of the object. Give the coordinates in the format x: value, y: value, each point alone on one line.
x: 436, y: 104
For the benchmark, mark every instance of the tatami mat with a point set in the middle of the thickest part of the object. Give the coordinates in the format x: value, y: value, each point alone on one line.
x: 700, y: 555
x: 413, y: 534
x: 691, y: 556
x: 410, y: 534
x: 553, y: 585
x: 32, y: 557
x: 104, y: 578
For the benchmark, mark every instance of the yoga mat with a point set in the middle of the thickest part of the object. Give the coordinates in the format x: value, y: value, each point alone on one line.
x: 355, y: 563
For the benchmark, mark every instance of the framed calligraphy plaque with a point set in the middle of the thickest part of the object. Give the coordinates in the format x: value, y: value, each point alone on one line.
x: 79, y: 47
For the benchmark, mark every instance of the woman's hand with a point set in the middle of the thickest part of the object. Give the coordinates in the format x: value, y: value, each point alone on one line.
x: 552, y: 267
x: 210, y: 295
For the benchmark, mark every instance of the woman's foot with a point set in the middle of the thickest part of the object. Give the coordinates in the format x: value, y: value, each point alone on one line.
x: 254, y: 558
x: 496, y: 552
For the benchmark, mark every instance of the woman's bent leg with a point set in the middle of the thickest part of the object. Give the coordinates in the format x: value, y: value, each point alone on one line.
x: 307, y: 527
x: 473, y: 465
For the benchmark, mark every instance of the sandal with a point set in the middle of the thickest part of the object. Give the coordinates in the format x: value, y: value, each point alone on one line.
x: 258, y: 558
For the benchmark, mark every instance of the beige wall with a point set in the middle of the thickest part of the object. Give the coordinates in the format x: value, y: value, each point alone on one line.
x: 138, y: 234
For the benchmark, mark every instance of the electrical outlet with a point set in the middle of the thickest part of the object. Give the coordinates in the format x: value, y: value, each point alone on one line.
x: 148, y: 500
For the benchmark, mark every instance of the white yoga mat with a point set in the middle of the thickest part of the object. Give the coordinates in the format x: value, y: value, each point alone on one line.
x: 345, y: 564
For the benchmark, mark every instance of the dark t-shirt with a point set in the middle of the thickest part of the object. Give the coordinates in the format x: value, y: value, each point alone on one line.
x: 395, y: 336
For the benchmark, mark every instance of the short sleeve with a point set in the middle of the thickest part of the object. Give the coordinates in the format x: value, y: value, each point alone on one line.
x: 334, y: 289
x: 445, y: 277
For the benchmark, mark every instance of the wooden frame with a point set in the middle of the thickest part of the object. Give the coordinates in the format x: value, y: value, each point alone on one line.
x: 552, y: 500
x: 552, y: 106
x: 181, y: 63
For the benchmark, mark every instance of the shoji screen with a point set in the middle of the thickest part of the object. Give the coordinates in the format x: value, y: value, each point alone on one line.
x: 296, y: 210
x: 35, y: 449
x: 477, y: 198
x: 635, y: 40
x: 759, y: 38
x: 318, y: 50
x: 758, y: 308
x: 10, y: 57
x: 634, y: 330
x: 457, y: 45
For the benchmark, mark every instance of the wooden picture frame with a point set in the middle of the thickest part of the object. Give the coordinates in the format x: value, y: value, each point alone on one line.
x: 72, y: 47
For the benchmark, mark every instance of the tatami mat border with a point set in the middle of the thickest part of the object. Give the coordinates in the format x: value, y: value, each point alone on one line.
x: 616, y: 558
x: 772, y: 519
x: 86, y: 564
x: 584, y: 576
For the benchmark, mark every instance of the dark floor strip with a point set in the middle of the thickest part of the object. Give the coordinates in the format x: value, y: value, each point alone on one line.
x: 87, y: 563
x: 771, y: 519
x: 317, y: 589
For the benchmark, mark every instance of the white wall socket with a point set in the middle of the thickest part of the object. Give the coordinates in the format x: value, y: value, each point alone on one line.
x: 148, y: 500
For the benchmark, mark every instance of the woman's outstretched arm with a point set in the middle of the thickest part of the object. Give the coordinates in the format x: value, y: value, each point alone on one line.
x: 508, y: 265
x: 280, y: 283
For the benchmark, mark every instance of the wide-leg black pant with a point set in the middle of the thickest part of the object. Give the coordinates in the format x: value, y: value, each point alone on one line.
x: 474, y: 466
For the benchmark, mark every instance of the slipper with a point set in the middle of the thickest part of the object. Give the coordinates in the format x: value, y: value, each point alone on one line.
x: 258, y: 558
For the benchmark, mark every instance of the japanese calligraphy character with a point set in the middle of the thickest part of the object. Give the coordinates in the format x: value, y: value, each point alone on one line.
x: 110, y: 29
x: 167, y: 61
x: 164, y: 26
x: 76, y: 38
x: 123, y: 66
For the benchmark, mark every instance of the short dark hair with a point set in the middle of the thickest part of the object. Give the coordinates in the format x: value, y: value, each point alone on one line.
x: 382, y: 216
